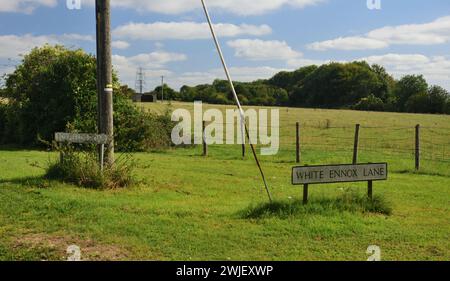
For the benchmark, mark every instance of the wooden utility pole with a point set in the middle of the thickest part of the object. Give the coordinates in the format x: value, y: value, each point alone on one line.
x: 104, y: 72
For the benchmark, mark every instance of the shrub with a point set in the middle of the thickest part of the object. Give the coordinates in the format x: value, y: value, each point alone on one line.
x: 55, y: 89
x: 83, y: 169
x: 371, y: 103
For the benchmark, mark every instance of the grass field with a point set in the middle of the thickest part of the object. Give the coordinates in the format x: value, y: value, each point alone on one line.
x: 188, y: 207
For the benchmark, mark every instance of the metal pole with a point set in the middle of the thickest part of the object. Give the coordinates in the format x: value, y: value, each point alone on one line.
x: 241, y: 111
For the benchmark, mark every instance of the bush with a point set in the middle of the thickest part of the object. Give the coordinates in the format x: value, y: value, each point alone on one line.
x: 83, y: 169
x: 371, y: 103
x: 55, y: 90
x: 143, y: 130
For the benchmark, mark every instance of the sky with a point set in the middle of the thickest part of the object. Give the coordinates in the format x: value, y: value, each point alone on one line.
x: 259, y: 38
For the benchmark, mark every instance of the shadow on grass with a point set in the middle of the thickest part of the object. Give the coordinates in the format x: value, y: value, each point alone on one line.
x: 325, y: 206
x: 422, y: 172
x: 37, y: 181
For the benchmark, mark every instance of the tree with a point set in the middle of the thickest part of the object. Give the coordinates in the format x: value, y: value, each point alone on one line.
x: 438, y: 98
x: 337, y: 85
x: 127, y: 91
x: 169, y: 93
x: 55, y: 89
x: 409, y: 86
x: 418, y: 103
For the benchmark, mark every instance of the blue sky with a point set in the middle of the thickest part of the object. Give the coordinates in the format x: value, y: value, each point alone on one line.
x: 259, y: 37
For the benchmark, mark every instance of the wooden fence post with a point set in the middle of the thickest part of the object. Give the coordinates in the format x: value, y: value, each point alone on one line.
x: 205, y: 145
x: 305, y: 194
x: 417, y: 150
x: 356, y: 144
x: 297, y: 143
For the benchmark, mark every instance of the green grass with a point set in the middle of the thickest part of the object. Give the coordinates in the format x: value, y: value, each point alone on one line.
x: 188, y: 207
x: 352, y: 202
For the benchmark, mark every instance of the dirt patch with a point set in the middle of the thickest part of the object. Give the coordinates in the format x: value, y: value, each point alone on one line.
x: 55, y: 247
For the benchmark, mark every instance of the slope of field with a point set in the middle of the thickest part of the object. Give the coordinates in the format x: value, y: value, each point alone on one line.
x: 188, y: 207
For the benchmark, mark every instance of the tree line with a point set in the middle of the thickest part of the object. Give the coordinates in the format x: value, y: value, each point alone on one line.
x: 354, y: 85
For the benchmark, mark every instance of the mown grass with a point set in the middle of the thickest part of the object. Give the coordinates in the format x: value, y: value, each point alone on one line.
x: 188, y: 207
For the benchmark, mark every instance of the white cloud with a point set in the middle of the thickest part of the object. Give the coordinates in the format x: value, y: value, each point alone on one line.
x: 185, y: 30
x: 239, y: 7
x: 12, y: 46
x: 171, y: 7
x: 263, y: 50
x: 121, y: 45
x: 348, y: 44
x: 24, y: 6
x: 153, y: 63
x: 436, y: 32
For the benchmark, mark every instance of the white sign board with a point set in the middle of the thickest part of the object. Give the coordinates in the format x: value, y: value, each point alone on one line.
x: 339, y: 173
x: 81, y: 138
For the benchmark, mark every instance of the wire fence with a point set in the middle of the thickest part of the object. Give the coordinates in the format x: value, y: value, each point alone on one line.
x: 432, y: 143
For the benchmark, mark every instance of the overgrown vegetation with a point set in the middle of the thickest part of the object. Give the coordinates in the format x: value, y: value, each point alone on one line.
x: 349, y: 201
x: 82, y: 168
x: 54, y: 89
x: 355, y: 85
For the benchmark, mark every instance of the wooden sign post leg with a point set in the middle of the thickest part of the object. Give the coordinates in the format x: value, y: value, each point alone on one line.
x: 102, y: 156
x: 305, y: 194
x: 370, y: 189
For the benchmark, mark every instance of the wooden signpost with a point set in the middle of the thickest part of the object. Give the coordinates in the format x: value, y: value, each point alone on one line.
x: 84, y: 139
x: 307, y: 175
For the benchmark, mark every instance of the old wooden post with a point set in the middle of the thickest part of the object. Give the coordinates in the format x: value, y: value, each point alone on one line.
x: 297, y: 143
x: 370, y: 189
x: 356, y: 144
x: 305, y: 194
x: 105, y: 87
x: 417, y: 150
x: 205, y: 145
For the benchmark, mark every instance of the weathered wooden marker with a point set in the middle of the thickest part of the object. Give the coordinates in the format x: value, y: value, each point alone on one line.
x: 306, y: 175
x: 101, y: 140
